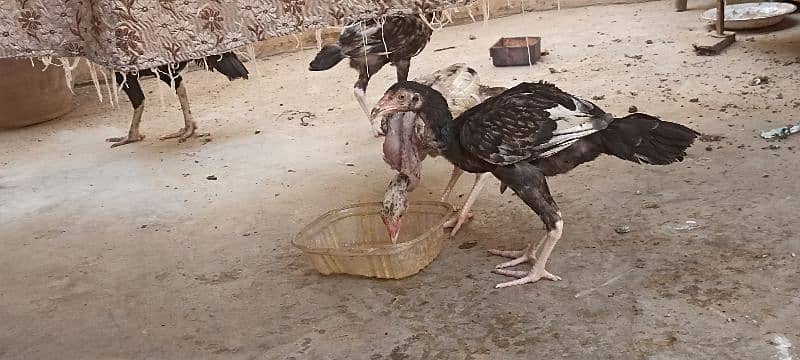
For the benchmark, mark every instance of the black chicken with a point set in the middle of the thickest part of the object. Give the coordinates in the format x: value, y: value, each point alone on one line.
x: 460, y: 86
x: 373, y: 43
x: 228, y: 64
x: 521, y: 137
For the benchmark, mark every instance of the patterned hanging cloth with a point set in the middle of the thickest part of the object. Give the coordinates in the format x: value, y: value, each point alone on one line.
x: 126, y: 35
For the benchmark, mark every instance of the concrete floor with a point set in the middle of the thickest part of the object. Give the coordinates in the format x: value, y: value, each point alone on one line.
x: 131, y: 253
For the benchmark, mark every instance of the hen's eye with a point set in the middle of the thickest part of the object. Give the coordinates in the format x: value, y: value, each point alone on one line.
x: 401, y: 97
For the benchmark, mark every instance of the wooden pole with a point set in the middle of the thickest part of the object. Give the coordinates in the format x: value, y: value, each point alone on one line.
x: 719, y: 39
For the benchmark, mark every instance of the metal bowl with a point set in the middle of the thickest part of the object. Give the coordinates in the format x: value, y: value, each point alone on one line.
x: 751, y: 15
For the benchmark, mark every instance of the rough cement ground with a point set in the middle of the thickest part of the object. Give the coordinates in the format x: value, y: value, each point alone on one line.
x: 131, y: 253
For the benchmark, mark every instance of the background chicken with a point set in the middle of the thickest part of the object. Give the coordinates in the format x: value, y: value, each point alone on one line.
x: 228, y: 64
x: 373, y: 43
x: 460, y: 85
x: 529, y: 132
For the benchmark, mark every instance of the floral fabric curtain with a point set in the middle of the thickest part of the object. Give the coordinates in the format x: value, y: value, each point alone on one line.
x: 126, y: 35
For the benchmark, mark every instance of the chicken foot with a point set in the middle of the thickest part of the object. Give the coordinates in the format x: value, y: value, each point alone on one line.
x: 130, y: 85
x: 537, y: 271
x: 529, y: 183
x: 133, y: 133
x: 190, y: 125
x: 457, y: 221
x: 517, y: 256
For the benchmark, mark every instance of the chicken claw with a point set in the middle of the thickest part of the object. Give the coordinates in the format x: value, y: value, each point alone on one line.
x: 456, y: 221
x: 528, y: 254
x: 524, y: 277
x: 511, y: 254
x: 182, y: 134
x: 520, y: 260
x: 119, y: 141
x: 518, y: 256
x: 464, y: 213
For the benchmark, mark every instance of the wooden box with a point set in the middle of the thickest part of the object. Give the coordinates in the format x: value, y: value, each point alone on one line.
x: 516, y: 51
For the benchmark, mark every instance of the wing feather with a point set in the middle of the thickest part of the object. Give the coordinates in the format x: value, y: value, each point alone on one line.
x: 406, y: 35
x: 529, y: 121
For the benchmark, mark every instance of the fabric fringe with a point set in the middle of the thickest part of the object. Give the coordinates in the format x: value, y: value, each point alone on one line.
x: 318, y: 35
x: 108, y: 87
x: 68, y: 68
x: 471, y: 16
x: 299, y: 41
x: 251, y: 54
x: 486, y: 12
x: 95, y: 81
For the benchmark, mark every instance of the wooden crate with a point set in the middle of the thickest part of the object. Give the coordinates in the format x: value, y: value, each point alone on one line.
x: 516, y: 51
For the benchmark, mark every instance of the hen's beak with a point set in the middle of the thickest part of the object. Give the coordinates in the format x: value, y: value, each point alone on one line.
x: 385, y: 106
x: 394, y: 230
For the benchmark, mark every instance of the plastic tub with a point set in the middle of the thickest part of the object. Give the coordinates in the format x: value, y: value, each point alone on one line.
x: 353, y: 240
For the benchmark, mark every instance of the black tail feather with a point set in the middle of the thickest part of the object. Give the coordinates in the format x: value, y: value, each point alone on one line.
x: 328, y: 57
x: 645, y: 139
x: 227, y: 64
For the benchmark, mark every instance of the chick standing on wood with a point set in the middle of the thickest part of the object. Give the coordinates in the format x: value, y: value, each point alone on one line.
x: 527, y: 133
x: 371, y: 44
x: 227, y: 64
x: 460, y: 85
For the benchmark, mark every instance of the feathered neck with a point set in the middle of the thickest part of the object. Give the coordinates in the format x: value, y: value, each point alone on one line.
x: 438, y: 118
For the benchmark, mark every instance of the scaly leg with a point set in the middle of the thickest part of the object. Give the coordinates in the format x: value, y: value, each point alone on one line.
x: 189, y: 125
x: 530, y: 185
x: 367, y: 67
x: 360, y: 94
x: 538, y: 271
x: 464, y: 214
x: 136, y: 96
x: 450, y: 184
x: 133, y: 132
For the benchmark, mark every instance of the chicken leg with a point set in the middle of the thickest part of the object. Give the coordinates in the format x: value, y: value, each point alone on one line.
x: 136, y: 95
x: 360, y: 92
x: 530, y: 185
x: 456, y: 174
x: 529, y: 255
x: 189, y: 124
x: 457, y: 221
x: 133, y: 133
x: 366, y: 68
